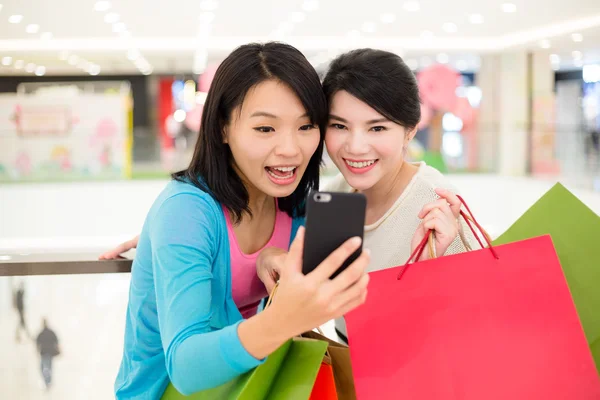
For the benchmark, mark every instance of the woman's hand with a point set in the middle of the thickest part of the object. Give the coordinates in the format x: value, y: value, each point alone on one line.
x: 268, y: 266
x: 440, y: 216
x: 303, y: 302
x: 120, y: 249
x: 307, y: 301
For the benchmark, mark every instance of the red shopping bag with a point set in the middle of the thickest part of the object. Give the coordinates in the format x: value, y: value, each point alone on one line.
x: 324, y: 388
x: 497, y: 323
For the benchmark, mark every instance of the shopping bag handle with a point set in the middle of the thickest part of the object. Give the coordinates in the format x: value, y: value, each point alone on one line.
x: 469, y: 218
x: 327, y: 358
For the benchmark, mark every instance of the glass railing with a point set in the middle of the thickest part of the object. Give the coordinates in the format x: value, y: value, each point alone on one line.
x: 83, y: 303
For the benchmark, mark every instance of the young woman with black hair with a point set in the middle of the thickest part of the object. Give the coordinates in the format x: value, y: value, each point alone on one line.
x: 191, y: 318
x: 374, y: 109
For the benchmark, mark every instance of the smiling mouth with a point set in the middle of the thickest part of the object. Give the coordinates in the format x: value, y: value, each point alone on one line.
x: 360, y: 164
x: 281, y: 172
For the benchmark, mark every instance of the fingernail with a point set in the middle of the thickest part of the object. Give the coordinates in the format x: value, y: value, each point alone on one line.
x: 355, y: 241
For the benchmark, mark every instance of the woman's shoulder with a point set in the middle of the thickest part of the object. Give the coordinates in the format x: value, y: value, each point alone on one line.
x: 431, y: 178
x: 186, y: 197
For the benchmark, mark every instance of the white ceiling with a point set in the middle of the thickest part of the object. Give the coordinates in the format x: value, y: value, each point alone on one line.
x: 169, y: 35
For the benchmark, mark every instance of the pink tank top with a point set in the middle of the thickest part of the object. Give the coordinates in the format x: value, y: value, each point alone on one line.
x: 247, y: 288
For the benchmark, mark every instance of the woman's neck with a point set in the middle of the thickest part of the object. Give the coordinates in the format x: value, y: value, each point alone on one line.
x: 259, y: 203
x: 382, y: 196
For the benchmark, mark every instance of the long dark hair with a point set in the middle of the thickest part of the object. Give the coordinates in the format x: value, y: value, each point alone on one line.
x: 211, y: 168
x: 380, y: 79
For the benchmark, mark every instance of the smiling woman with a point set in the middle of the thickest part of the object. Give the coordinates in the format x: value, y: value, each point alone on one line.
x: 191, y: 317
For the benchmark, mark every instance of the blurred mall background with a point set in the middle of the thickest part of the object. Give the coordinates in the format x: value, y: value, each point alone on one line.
x: 101, y: 100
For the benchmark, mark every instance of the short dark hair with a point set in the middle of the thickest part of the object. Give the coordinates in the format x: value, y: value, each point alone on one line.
x: 211, y: 167
x: 380, y: 79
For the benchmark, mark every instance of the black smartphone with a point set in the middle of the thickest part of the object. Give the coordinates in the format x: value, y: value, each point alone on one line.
x: 331, y: 219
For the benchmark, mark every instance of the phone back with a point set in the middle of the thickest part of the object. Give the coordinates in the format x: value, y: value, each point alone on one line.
x: 331, y: 219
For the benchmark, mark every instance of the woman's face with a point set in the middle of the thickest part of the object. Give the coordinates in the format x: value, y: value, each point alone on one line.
x: 271, y: 139
x: 363, y: 144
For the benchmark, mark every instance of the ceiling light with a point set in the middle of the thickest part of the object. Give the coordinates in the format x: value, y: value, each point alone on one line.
x: 15, y: 19
x: 411, y: 6
x: 476, y: 19
x: 102, y: 6
x: 19, y: 64
x: 442, y: 58
x: 206, y: 17
x: 545, y: 44
x: 577, y: 37
x: 554, y: 58
x: 95, y: 70
x: 0, y: 7
x: 388, y: 18
x: 310, y: 5
x: 64, y: 55
x: 32, y: 28
x: 578, y: 63
x: 40, y: 71
x: 556, y: 67
x: 6, y: 61
x: 119, y: 27
x: 450, y: 27
x: 412, y: 64
x: 133, y: 54
x: 147, y: 71
x: 577, y: 55
x: 5, y: 258
x: 426, y: 35
x: 46, y: 36
x: 509, y: 7
x: 298, y: 17
x: 369, y: 27
x: 73, y: 60
x: 30, y: 67
x: 82, y: 64
x: 111, y: 18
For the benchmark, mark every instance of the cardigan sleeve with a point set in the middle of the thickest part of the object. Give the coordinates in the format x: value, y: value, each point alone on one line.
x: 184, y: 249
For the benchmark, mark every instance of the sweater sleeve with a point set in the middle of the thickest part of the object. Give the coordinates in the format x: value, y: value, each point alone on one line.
x: 184, y: 248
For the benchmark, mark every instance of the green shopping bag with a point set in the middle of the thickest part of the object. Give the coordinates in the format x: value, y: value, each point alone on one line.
x: 575, y: 231
x: 287, y: 374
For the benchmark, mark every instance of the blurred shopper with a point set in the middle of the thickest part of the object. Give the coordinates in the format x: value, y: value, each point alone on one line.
x: 19, y: 303
x: 48, y: 348
x: 191, y: 317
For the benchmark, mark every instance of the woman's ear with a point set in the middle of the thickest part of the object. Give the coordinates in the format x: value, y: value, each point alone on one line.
x: 410, y: 134
x: 226, y: 134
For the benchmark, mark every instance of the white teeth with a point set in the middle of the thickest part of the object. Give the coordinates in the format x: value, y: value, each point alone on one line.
x: 284, y: 169
x: 280, y: 176
x: 360, y: 164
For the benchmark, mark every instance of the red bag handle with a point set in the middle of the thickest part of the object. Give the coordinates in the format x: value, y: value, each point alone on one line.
x: 418, y: 252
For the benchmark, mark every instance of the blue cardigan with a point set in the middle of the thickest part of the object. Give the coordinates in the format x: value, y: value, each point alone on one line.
x: 181, y: 322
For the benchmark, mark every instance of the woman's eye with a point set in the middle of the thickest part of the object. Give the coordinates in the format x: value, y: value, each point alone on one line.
x: 338, y: 126
x: 264, y: 129
x: 378, y: 128
x: 307, y: 127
